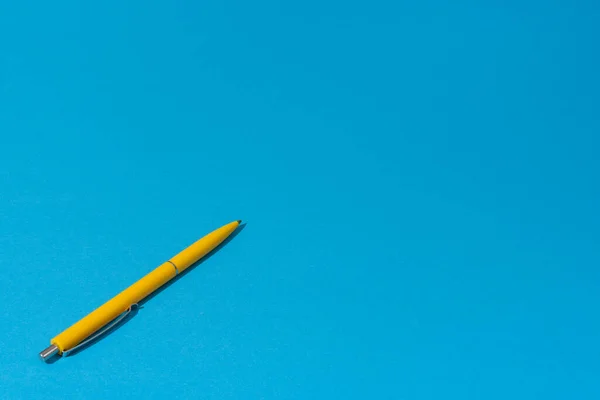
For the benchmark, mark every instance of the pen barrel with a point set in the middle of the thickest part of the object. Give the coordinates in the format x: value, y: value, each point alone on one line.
x: 202, y: 247
x: 110, y: 310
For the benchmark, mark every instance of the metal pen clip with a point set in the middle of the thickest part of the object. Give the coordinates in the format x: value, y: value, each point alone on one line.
x: 102, y: 331
x: 53, y: 349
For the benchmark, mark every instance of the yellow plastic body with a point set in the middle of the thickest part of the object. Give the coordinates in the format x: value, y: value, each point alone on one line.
x: 110, y: 310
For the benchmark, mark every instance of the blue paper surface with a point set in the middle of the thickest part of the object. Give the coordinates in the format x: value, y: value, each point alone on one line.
x: 419, y: 182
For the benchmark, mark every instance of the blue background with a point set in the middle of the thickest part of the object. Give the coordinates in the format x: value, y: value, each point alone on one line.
x: 419, y: 182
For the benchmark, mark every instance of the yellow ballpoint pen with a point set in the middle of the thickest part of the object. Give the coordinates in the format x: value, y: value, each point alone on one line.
x: 111, y: 312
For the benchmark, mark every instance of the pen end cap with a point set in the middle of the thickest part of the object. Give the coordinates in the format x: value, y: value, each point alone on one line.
x: 49, y: 352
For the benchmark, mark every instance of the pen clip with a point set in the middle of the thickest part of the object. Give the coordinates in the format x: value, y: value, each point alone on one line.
x: 102, y: 331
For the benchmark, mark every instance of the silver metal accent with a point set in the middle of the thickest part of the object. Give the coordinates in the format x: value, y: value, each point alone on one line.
x: 49, y: 352
x: 101, y: 331
x: 174, y: 266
